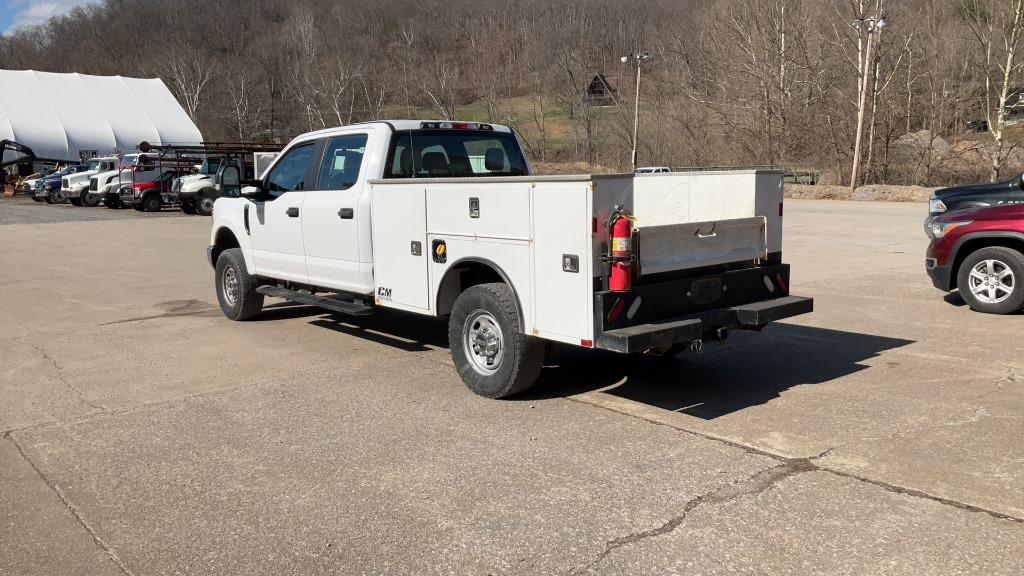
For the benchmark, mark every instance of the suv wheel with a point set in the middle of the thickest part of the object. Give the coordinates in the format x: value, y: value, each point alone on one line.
x: 236, y: 289
x: 204, y: 203
x: 152, y: 203
x: 990, y: 280
x: 492, y: 354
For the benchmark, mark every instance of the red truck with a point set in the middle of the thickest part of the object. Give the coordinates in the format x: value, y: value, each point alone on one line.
x: 980, y: 252
x: 152, y: 194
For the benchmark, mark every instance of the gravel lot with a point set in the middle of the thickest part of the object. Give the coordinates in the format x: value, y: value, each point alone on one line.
x: 146, y: 434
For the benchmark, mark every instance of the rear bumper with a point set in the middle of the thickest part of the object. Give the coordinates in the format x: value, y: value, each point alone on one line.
x: 656, y: 315
x: 663, y: 334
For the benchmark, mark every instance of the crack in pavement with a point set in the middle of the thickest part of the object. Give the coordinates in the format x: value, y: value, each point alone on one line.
x: 762, y: 481
x: 62, y: 379
x: 750, y: 486
x: 71, y: 507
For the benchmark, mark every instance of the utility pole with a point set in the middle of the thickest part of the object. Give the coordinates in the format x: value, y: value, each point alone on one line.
x: 639, y: 58
x: 871, y: 25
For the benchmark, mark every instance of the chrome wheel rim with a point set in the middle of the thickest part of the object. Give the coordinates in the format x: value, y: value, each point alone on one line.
x: 483, y: 342
x: 206, y: 204
x: 229, y: 285
x: 991, y: 281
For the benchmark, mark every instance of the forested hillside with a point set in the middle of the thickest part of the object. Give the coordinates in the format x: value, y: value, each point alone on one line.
x: 730, y: 82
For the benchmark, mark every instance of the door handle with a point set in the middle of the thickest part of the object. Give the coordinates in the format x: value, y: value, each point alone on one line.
x: 293, y: 212
x: 346, y: 213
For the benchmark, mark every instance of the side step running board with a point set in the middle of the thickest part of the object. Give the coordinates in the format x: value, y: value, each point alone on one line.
x: 332, y: 303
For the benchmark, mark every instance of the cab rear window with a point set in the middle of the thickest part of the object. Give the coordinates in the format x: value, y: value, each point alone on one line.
x: 454, y: 154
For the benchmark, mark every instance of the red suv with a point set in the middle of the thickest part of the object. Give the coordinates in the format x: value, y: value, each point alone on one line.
x: 980, y: 252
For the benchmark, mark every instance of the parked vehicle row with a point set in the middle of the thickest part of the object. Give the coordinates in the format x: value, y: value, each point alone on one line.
x: 148, y: 181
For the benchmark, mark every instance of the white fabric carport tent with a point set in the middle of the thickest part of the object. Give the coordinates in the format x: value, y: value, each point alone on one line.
x: 60, y: 115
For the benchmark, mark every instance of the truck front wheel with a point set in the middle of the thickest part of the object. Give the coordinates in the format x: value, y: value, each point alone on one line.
x: 204, y: 202
x: 236, y: 289
x: 492, y: 354
x: 990, y: 280
x: 152, y: 203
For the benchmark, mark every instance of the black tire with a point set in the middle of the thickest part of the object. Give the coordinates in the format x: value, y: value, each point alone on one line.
x: 188, y: 207
x: 247, y: 302
x: 75, y: 201
x: 152, y: 203
x: 90, y: 201
x: 519, y: 357
x: 204, y: 202
x: 1000, y: 295
x: 138, y: 207
x: 36, y: 198
x: 48, y: 198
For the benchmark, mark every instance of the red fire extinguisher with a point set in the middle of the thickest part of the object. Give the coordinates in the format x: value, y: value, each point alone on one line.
x: 620, y: 278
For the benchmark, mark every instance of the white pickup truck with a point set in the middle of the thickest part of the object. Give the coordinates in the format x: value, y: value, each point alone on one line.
x: 444, y: 219
x: 74, y: 185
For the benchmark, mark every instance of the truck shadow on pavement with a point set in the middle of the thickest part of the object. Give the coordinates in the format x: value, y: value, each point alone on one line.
x: 752, y: 369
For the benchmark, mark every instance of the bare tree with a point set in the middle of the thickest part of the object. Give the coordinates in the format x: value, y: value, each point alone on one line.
x: 997, y: 25
x: 189, y: 72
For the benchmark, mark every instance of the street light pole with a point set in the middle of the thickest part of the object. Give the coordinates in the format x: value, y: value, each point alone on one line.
x: 872, y: 25
x: 639, y: 58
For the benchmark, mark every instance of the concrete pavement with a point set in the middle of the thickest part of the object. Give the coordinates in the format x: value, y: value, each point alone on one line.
x: 146, y: 434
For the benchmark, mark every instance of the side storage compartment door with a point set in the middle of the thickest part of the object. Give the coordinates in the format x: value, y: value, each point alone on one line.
x: 400, y: 250
x: 563, y: 279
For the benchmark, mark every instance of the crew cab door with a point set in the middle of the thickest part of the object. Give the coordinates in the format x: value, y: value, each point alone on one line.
x: 276, y: 229
x: 333, y: 219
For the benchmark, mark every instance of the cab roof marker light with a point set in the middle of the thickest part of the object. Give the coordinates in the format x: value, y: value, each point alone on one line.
x: 455, y: 126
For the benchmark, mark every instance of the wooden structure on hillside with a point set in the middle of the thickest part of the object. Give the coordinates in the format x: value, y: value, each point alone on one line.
x: 601, y: 91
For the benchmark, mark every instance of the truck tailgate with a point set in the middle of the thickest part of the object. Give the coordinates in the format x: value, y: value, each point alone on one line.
x: 687, y: 245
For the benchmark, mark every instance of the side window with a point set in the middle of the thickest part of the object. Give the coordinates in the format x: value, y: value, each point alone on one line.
x: 290, y: 173
x: 343, y: 155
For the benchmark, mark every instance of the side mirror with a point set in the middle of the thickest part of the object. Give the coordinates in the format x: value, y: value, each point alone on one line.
x: 229, y: 181
x: 251, y: 191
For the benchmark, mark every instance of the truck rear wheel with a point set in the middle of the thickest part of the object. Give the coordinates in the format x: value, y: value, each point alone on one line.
x: 75, y: 201
x: 492, y: 354
x: 236, y: 289
x: 90, y: 200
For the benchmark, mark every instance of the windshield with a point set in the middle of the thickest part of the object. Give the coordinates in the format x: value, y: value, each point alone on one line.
x: 210, y: 166
x: 94, y: 164
x: 454, y: 154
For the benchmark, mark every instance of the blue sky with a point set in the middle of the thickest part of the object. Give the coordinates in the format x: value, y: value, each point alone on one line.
x: 14, y: 13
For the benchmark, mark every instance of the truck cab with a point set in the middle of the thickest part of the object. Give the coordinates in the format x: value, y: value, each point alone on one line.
x: 73, y: 185
x: 444, y: 219
x: 197, y: 192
